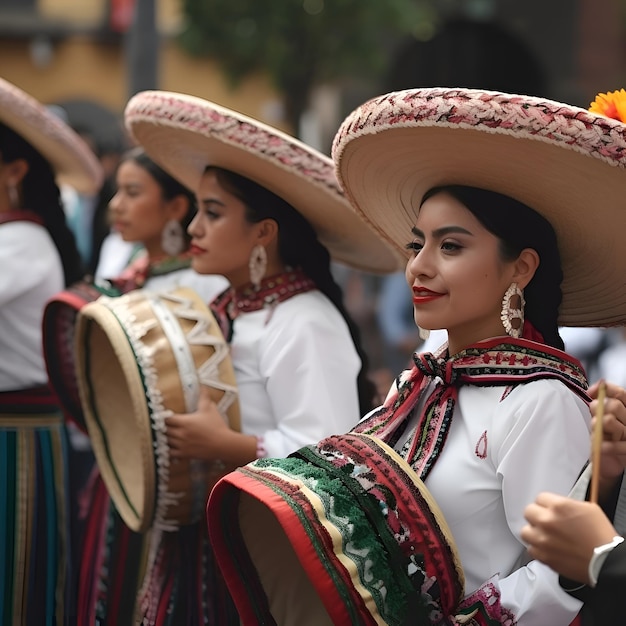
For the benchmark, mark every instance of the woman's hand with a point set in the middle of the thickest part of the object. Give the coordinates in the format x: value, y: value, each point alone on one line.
x: 198, y: 435
x: 562, y: 533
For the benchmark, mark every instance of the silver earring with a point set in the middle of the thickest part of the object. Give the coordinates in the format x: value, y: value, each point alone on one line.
x: 14, y: 197
x: 173, y: 238
x: 257, y: 265
x: 512, y: 315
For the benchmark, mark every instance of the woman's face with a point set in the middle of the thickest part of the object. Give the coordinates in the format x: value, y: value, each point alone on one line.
x: 456, y: 273
x: 138, y: 210
x: 222, y: 238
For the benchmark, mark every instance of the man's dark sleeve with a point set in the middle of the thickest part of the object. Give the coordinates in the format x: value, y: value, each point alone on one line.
x: 606, y: 603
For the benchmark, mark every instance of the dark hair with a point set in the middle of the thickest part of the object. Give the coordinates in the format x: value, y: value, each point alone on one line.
x: 298, y: 246
x: 41, y: 195
x: 517, y: 226
x: 170, y: 187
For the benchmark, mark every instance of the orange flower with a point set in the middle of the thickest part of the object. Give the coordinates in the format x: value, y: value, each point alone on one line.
x: 611, y: 104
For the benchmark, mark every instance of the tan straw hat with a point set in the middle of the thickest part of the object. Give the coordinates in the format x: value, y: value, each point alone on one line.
x: 70, y: 157
x: 185, y: 134
x: 566, y: 163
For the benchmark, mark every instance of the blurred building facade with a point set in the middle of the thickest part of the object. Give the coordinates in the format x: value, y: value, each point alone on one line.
x: 78, y: 51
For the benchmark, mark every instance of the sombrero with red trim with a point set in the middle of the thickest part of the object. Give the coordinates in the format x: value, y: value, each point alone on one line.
x: 564, y: 162
x: 70, y: 157
x: 185, y: 134
x: 341, y: 532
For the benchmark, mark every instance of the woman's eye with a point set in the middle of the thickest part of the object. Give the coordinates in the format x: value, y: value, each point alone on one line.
x: 212, y: 215
x: 449, y: 246
x: 415, y: 246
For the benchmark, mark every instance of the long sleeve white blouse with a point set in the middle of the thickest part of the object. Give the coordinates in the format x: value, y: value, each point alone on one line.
x: 296, y: 368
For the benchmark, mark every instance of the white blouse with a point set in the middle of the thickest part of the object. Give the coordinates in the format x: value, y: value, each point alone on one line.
x: 499, y: 454
x: 296, y: 368
x: 31, y: 272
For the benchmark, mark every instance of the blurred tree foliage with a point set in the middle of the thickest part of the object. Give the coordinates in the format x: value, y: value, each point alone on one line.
x: 301, y: 43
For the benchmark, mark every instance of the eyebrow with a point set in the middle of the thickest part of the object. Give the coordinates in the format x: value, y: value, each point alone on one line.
x: 442, y: 232
x: 208, y: 201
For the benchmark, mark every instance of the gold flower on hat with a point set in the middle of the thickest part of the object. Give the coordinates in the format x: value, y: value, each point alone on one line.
x: 611, y: 104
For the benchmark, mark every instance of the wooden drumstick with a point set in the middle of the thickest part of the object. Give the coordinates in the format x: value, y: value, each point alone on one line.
x: 596, y: 443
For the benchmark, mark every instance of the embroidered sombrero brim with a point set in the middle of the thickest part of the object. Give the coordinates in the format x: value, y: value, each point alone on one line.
x: 185, y: 134
x: 70, y: 157
x: 341, y: 532
x: 566, y: 163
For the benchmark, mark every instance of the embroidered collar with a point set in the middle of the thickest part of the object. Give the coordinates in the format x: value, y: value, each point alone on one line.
x: 272, y: 290
x: 492, y: 362
x: 142, y: 268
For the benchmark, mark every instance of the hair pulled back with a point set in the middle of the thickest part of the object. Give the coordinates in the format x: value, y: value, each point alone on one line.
x: 298, y: 246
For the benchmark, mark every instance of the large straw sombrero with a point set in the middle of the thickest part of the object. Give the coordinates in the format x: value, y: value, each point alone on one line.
x: 70, y: 157
x: 185, y: 134
x: 566, y: 163
x: 340, y: 532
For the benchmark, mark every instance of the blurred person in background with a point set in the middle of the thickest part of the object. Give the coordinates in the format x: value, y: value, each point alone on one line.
x: 38, y: 257
x: 150, y: 210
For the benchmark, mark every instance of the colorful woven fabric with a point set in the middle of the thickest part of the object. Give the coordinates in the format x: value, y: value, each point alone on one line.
x: 371, y: 544
x: 272, y: 290
x: 487, y: 363
x: 34, y: 554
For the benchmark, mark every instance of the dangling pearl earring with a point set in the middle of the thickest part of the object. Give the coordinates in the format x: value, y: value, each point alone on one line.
x: 14, y: 197
x: 512, y: 315
x: 257, y: 265
x: 173, y: 238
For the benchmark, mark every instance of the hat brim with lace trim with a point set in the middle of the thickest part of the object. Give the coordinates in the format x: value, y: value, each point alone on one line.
x: 69, y: 156
x: 185, y: 134
x: 564, y: 162
x: 340, y: 532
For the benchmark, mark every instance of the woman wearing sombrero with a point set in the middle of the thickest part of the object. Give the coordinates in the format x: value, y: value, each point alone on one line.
x: 270, y: 216
x: 509, y: 209
x: 151, y: 209
x: 38, y: 257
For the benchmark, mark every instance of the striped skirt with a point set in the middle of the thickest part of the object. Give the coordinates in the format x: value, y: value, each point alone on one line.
x: 112, y: 562
x: 183, y: 585
x: 34, y: 519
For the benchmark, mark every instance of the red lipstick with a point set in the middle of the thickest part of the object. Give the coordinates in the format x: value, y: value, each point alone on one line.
x: 421, y: 295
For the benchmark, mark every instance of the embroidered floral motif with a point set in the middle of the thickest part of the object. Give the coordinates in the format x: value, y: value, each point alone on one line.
x: 481, y: 446
x: 485, y: 604
x: 273, y: 290
x: 492, y: 362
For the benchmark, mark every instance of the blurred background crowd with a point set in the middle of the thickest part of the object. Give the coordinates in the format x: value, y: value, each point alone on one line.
x: 302, y: 65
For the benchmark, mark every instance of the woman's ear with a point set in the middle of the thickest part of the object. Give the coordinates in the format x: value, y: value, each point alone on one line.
x: 178, y: 207
x: 526, y: 265
x: 16, y: 171
x: 267, y: 232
